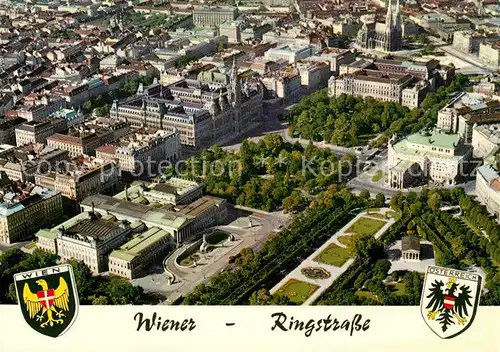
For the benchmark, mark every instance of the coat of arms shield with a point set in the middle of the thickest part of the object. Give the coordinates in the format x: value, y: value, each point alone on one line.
x: 48, y: 299
x: 449, y: 300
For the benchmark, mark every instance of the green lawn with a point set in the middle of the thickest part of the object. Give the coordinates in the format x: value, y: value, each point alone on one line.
x: 377, y: 215
x: 333, y: 255
x: 378, y: 175
x: 345, y: 240
x: 397, y: 288
x: 366, y: 226
x: 189, y: 260
x: 366, y: 294
x: 298, y: 291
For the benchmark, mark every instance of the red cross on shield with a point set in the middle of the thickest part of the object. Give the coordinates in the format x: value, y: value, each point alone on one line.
x: 46, y: 298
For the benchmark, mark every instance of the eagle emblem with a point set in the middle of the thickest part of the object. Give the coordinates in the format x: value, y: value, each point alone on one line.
x: 449, y: 300
x: 48, y: 298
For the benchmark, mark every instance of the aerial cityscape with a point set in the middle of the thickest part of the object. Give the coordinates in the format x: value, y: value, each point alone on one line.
x: 242, y: 152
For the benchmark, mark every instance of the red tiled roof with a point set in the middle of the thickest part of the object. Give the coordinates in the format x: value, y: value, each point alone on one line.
x: 108, y: 149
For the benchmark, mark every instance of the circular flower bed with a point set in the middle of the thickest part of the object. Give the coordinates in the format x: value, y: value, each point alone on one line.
x: 315, y: 273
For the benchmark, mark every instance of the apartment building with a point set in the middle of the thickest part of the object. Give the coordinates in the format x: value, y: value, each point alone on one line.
x: 81, y: 141
x: 29, y: 160
x: 490, y: 53
x: 26, y: 209
x: 38, y: 131
x: 81, y: 177
x: 143, y: 147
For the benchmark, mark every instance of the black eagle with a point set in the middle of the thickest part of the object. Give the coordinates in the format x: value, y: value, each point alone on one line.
x: 459, y: 309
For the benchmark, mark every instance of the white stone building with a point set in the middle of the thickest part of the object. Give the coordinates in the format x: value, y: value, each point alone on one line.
x: 88, y: 237
x: 488, y: 188
x: 435, y: 156
x: 485, y: 138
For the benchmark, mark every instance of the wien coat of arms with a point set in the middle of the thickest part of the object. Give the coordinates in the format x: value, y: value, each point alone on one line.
x: 449, y: 300
x: 48, y: 299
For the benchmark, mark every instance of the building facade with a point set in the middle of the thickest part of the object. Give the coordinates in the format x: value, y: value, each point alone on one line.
x: 135, y: 150
x: 490, y: 53
x: 488, y: 188
x: 213, y: 16
x: 383, y: 36
x: 134, y: 256
x: 21, y: 215
x: 427, y: 156
x: 34, y: 132
x: 88, y: 237
x: 82, y: 178
x: 202, y: 115
x: 370, y: 83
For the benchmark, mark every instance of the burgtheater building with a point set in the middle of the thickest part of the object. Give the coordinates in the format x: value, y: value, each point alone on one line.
x: 427, y: 155
x: 203, y: 114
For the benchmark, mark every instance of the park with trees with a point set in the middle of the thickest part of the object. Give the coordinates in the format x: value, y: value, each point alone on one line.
x: 349, y: 121
x: 269, y: 174
x: 470, y: 239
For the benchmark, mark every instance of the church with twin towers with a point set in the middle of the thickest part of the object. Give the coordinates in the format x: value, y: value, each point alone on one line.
x: 383, y: 36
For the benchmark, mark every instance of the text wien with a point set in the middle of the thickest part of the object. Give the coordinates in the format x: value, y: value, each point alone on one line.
x: 282, y: 322
x: 156, y: 323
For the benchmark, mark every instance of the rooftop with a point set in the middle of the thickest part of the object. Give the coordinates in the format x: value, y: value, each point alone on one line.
x: 151, y: 216
x: 412, y: 145
x: 410, y: 243
x: 14, y: 199
x: 139, y: 243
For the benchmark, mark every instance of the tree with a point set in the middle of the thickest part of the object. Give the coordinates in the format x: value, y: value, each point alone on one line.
x: 261, y: 297
x: 100, y: 301
x: 282, y: 300
x: 83, y: 277
x: 293, y: 203
x: 364, y: 194
x: 39, y: 259
x: 360, y: 280
x: 380, y: 200
x: 434, y: 201
x: 360, y: 245
x: 87, y: 106
x: 122, y: 292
